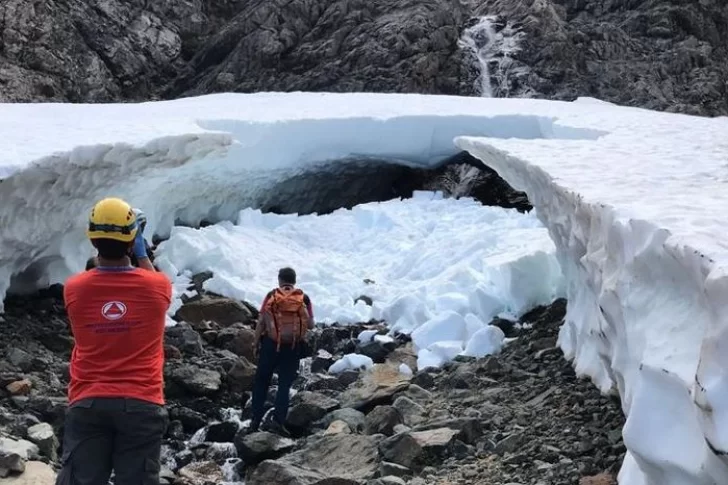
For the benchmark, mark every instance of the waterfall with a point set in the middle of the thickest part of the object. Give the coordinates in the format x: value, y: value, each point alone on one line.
x: 493, y: 48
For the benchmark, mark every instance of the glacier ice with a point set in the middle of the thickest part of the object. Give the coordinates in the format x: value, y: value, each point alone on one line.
x: 638, y: 218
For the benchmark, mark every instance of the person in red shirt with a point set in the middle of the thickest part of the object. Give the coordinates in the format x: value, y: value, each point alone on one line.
x: 116, y: 417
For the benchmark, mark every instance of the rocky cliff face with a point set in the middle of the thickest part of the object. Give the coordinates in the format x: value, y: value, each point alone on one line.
x: 663, y: 54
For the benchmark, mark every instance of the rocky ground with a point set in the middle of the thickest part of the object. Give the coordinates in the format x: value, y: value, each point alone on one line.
x: 667, y: 55
x: 521, y: 417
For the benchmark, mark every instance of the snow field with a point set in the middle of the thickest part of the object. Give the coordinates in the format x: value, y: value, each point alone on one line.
x: 645, y: 270
x: 441, y: 268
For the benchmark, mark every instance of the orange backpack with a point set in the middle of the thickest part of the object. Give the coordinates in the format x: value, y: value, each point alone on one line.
x: 286, y: 316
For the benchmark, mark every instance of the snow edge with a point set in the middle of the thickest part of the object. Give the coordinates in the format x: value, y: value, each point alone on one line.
x: 614, y: 308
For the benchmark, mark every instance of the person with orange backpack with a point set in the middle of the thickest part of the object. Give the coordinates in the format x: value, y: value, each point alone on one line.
x: 286, y: 315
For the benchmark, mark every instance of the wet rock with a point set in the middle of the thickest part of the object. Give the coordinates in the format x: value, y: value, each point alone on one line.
x: 353, y: 418
x: 257, y: 447
x: 223, y: 311
x: 19, y: 388
x: 323, y: 382
x: 421, y: 448
x: 184, y: 458
x: 42, y: 435
x: 191, y: 420
x: 308, y: 407
x: 175, y: 430
x: 197, y: 381
x: 411, y: 412
x: 348, y: 377
x: 382, y: 420
x: 508, y: 327
x: 239, y: 340
x: 221, y: 432
x: 185, y: 338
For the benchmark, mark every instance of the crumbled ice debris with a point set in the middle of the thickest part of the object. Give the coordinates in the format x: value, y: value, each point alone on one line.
x: 486, y: 341
x: 384, y: 339
x: 366, y: 336
x: 404, y: 369
x: 351, y: 362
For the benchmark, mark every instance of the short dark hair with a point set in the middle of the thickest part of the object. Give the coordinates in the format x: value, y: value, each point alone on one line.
x: 111, y: 248
x: 287, y: 276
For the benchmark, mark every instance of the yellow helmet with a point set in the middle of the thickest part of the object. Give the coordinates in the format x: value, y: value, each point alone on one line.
x: 112, y: 218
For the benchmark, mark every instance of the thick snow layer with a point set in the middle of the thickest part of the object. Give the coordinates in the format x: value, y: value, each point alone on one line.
x: 639, y: 219
x: 414, y: 251
x: 209, y: 157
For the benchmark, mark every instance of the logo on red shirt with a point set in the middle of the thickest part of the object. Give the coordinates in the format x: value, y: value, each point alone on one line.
x: 113, y: 310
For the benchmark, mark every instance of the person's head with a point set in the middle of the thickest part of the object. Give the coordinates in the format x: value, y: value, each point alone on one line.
x: 112, y: 227
x: 286, y: 277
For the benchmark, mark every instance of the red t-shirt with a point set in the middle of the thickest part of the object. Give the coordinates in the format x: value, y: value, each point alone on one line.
x: 117, y: 319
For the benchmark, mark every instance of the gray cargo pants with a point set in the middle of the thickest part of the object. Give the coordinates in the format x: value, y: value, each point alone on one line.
x: 105, y: 434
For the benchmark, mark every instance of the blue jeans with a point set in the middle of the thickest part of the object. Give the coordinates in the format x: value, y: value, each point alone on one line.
x: 285, y: 362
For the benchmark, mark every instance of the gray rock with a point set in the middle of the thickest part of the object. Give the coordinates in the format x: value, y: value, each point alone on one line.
x: 308, y: 407
x: 412, y: 413
x: 392, y: 469
x: 223, y: 311
x: 238, y: 339
x: 185, y: 338
x: 382, y: 420
x: 418, y: 449
x: 469, y: 429
x: 42, y: 435
x: 257, y: 447
x: 355, y: 419
x: 10, y: 462
x: 424, y: 379
x: 20, y: 359
x: 509, y: 444
x: 195, y: 380
x: 341, y: 459
x: 241, y: 375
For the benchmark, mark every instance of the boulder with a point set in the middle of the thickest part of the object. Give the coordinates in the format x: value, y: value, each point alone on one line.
x: 19, y: 388
x: 376, y: 350
x: 382, y: 420
x: 195, y: 380
x: 239, y: 340
x: 469, y: 429
x: 185, y: 338
x: 42, y: 435
x: 353, y: 418
x: 241, y: 375
x: 376, y: 387
x: 423, y: 379
x: 36, y: 473
x: 308, y: 407
x: 277, y: 472
x: 191, y: 420
x: 257, y: 447
x: 171, y: 352
x: 221, y: 432
x: 223, y: 311
x: 412, y: 413
x: 417, y: 449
